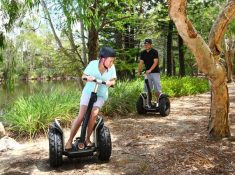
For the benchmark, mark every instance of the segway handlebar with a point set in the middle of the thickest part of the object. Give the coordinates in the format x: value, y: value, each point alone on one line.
x: 97, y: 81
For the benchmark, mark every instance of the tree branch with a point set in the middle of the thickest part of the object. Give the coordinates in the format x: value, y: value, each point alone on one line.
x: 51, y: 24
x: 220, y: 26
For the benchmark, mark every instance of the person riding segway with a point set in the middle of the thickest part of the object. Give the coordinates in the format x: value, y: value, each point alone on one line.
x: 149, y: 57
x: 99, y: 74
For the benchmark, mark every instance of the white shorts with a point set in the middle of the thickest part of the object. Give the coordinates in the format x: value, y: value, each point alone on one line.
x: 84, y: 100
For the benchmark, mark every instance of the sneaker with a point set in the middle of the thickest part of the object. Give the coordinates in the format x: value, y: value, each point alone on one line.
x: 157, y: 104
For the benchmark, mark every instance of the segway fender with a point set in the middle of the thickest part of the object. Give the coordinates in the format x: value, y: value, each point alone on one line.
x: 56, y: 126
x: 163, y: 96
x: 144, y: 97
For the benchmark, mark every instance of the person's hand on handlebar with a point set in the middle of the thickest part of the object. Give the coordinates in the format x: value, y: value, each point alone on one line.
x: 89, y: 78
x: 148, y: 71
x: 110, y: 83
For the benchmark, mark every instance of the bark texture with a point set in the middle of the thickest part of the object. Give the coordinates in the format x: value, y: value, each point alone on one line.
x: 93, y: 44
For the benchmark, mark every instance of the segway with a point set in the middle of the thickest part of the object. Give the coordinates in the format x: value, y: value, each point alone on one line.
x: 102, y: 139
x: 145, y: 104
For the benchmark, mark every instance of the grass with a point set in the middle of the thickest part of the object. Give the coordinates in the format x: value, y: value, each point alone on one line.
x: 31, y: 115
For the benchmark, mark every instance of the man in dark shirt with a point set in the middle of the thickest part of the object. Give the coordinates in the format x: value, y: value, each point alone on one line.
x: 149, y: 57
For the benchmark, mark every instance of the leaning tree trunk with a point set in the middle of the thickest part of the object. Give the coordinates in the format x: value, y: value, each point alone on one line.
x: 207, y: 58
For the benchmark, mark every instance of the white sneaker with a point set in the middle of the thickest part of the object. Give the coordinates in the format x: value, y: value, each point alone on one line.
x: 157, y: 104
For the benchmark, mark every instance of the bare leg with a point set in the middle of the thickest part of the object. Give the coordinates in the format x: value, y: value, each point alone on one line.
x: 91, y: 123
x: 75, y: 126
x: 157, y: 95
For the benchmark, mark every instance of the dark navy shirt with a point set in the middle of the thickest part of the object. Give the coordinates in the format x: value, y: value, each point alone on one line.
x: 148, y: 58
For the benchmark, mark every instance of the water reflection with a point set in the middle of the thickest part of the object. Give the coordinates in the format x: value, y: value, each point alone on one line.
x: 28, y: 88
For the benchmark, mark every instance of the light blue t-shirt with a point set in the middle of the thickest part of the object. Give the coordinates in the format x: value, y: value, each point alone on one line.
x: 93, y: 70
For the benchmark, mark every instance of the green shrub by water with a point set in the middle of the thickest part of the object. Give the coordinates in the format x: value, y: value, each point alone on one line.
x: 32, y: 115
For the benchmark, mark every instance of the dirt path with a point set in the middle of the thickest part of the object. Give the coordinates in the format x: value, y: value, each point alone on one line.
x: 150, y: 144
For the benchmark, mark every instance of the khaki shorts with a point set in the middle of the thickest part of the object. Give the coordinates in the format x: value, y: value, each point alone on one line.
x: 154, y: 82
x: 84, y: 100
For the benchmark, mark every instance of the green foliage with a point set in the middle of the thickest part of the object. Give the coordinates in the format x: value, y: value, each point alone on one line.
x: 122, y: 97
x: 31, y: 115
x: 123, y: 66
x: 204, y: 12
x: 12, y: 10
x: 176, y: 87
x: 2, y: 38
x: 8, y: 67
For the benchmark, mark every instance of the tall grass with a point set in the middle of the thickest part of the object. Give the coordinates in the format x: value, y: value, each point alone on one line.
x: 122, y: 97
x: 29, y: 115
x: 32, y: 115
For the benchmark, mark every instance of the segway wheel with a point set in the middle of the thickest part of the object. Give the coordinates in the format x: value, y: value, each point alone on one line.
x: 164, y: 106
x: 105, y: 144
x: 140, y: 106
x: 55, y: 148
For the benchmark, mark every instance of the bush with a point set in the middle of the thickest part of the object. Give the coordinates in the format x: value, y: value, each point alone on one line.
x: 176, y: 87
x: 30, y: 115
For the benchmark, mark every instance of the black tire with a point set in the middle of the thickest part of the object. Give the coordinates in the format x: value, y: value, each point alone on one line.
x: 164, y: 106
x: 55, y: 148
x: 140, y: 106
x: 105, y: 144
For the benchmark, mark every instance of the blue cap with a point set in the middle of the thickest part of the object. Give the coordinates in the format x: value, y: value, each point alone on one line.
x: 107, y: 52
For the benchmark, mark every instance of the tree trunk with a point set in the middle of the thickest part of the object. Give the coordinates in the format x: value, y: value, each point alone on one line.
x: 93, y: 44
x: 84, y: 58
x: 229, y: 58
x: 118, y: 40
x: 174, y: 67
x: 126, y: 36
x: 169, y: 49
x: 219, y: 121
x: 164, y: 55
x: 208, y: 61
x: 181, y: 56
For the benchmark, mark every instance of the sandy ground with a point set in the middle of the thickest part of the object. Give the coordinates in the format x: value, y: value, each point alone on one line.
x: 151, y: 144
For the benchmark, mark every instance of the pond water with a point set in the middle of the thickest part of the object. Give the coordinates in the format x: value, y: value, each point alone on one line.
x: 28, y: 88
